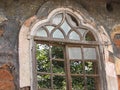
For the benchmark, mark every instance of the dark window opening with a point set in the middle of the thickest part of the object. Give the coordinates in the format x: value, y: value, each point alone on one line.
x: 117, y: 37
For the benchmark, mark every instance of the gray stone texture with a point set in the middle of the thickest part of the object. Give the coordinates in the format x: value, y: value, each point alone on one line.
x: 14, y: 12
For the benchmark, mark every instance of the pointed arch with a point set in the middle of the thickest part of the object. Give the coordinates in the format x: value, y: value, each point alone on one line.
x: 27, y: 34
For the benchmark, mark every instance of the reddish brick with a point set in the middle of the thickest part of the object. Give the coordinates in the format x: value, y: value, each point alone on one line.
x: 5, y: 75
x: 29, y: 21
x: 7, y: 85
x: 1, y: 32
x: 118, y: 82
x: 117, y: 43
x: 6, y: 78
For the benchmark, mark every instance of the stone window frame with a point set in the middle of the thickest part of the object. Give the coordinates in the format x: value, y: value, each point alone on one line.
x: 94, y: 44
x: 26, y: 35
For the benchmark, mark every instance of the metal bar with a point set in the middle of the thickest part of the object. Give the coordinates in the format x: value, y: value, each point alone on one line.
x: 66, y: 41
x: 34, y: 63
x: 85, y: 86
x: 43, y: 73
x: 58, y: 59
x: 69, y: 81
x: 50, y: 55
x: 57, y: 74
x: 87, y: 75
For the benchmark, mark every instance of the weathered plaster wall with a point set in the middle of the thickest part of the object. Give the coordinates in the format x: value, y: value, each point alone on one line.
x: 102, y: 15
x: 20, y: 9
x: 14, y: 12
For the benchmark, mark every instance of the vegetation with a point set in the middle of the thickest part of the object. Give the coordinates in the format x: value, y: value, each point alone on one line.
x: 46, y: 63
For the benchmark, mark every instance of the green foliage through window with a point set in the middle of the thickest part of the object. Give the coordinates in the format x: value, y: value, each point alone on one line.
x: 52, y: 73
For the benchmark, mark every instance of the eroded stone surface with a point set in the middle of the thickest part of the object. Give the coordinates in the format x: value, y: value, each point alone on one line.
x: 2, y: 16
x: 6, y: 85
x: 6, y: 78
x: 1, y: 32
x: 5, y: 75
x: 22, y: 9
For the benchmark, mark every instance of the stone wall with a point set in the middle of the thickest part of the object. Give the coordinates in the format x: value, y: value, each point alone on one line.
x: 6, y: 77
x: 14, y: 12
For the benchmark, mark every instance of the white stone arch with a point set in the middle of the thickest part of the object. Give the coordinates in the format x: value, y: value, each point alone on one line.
x: 26, y: 46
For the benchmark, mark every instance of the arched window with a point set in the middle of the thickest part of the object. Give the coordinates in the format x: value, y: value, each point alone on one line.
x: 67, y: 53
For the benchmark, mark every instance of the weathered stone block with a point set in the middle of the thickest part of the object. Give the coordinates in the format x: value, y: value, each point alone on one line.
x: 1, y: 32
x: 117, y: 43
x: 118, y: 82
x: 5, y: 75
x: 6, y: 78
x: 2, y: 17
x: 7, y: 85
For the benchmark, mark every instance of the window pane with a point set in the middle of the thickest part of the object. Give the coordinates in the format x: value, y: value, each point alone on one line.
x: 91, y: 67
x: 57, y: 52
x: 42, y: 56
x: 57, y: 19
x: 74, y: 36
x: 89, y: 37
x: 43, y: 66
x: 41, y: 32
x: 78, y: 83
x: 58, y: 67
x: 75, y: 53
x: 76, y: 67
x: 58, y: 34
x: 50, y: 28
x: 59, y: 83
x: 44, y: 81
x: 91, y: 83
x: 89, y: 53
x: 72, y: 20
x: 65, y: 27
x: 82, y: 31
